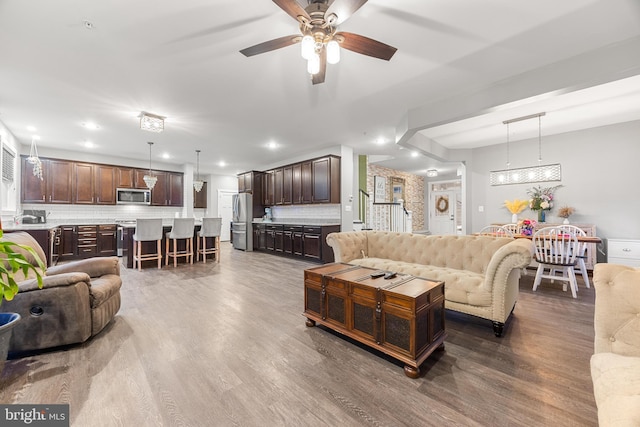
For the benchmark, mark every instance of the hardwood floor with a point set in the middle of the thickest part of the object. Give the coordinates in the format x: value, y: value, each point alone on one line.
x: 226, y: 345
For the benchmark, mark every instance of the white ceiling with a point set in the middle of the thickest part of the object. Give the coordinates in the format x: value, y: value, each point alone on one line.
x: 180, y: 59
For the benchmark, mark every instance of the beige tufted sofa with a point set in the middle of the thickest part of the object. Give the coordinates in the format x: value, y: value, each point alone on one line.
x: 615, y: 366
x: 481, y: 273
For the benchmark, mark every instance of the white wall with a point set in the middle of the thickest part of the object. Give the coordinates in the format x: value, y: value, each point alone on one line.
x: 600, y: 178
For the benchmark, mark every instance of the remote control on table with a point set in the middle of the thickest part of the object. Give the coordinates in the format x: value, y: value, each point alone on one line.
x: 377, y: 274
x: 390, y: 275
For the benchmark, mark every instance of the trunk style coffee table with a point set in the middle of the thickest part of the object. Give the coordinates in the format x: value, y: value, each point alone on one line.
x: 402, y: 317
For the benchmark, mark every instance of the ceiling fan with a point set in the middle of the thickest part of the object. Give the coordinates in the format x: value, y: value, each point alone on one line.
x: 319, y: 39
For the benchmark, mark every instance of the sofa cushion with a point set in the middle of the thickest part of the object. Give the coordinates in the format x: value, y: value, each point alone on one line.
x: 616, y: 387
x: 471, y: 253
x: 465, y: 287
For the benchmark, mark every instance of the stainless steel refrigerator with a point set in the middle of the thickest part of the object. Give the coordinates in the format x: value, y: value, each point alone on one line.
x: 241, y: 227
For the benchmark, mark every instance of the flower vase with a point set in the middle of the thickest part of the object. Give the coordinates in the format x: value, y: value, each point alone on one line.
x: 566, y: 221
x: 541, y: 215
x: 514, y: 218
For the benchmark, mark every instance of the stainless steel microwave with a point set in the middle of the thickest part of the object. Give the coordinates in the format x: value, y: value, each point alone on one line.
x: 133, y: 196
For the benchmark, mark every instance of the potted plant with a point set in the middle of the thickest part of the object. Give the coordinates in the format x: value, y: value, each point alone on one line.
x: 12, y: 262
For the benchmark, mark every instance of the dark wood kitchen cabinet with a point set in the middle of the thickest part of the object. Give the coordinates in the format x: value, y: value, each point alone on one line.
x: 168, y: 190
x: 124, y: 177
x: 106, y: 240
x: 278, y: 179
x: 68, y: 244
x: 105, y: 183
x: 200, y: 197
x: 83, y: 184
x: 325, y: 176
x: 138, y: 178
x: 268, y: 188
x: 55, y: 185
x: 302, y: 186
x: 299, y: 241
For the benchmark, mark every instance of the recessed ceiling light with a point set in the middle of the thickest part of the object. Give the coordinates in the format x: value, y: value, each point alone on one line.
x: 222, y: 164
x: 90, y: 126
x: 31, y: 128
x: 414, y: 154
x: 166, y: 156
x: 36, y: 137
x: 380, y: 141
x: 89, y: 144
x: 272, y: 145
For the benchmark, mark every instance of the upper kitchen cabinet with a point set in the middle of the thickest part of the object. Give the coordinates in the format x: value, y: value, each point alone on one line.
x: 168, y: 190
x: 325, y: 176
x: 200, y: 197
x: 268, y: 187
x: 124, y: 178
x: 105, y: 184
x: 83, y: 184
x: 250, y: 182
x: 138, y: 178
x: 55, y: 185
x: 302, y: 187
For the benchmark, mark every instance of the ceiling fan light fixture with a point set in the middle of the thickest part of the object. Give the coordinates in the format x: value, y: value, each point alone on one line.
x: 313, y: 64
x: 333, y: 52
x: 307, y: 47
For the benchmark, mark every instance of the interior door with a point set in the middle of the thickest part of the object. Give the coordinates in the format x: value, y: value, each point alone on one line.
x: 442, y: 212
x: 225, y: 211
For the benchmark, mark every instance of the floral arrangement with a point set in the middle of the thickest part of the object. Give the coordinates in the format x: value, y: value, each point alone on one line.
x: 541, y: 198
x: 516, y: 206
x: 527, y: 226
x: 565, y: 211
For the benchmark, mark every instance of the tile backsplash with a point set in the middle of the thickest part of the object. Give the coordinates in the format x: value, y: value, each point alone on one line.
x: 325, y: 213
x: 105, y: 212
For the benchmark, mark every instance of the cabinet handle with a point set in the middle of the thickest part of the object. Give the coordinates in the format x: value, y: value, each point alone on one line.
x: 626, y: 250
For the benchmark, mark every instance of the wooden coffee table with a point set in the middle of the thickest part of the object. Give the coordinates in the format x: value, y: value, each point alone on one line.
x: 402, y: 317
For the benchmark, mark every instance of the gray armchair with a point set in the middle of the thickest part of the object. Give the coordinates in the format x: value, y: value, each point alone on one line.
x: 77, y: 301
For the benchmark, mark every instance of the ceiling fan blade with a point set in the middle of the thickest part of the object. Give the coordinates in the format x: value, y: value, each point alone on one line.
x: 319, y: 76
x: 271, y: 45
x: 366, y: 46
x: 293, y: 8
x: 343, y: 9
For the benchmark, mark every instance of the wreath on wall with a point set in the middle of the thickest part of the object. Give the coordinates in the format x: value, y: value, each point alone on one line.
x: 442, y: 204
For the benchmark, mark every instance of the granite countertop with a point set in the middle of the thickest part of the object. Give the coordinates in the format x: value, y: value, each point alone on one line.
x: 310, y: 222
x: 53, y: 223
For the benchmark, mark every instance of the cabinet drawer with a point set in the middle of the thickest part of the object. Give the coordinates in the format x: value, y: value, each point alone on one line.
x: 85, y: 250
x: 85, y: 228
x: 312, y: 229
x: 629, y: 249
x: 107, y: 227
x: 292, y: 228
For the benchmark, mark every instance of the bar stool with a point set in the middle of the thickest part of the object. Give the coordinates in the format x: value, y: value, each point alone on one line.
x: 147, y: 230
x: 211, y: 227
x: 182, y: 229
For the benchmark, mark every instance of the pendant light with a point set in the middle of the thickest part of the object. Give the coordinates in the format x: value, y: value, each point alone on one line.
x: 149, y: 179
x: 34, y: 159
x: 198, y: 183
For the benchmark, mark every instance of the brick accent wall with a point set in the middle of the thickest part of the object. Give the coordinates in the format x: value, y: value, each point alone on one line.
x: 413, y: 190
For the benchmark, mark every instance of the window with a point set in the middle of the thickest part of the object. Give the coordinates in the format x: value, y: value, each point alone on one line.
x: 8, y: 163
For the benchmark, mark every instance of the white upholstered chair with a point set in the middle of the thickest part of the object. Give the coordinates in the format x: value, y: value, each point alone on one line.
x: 495, y: 231
x: 182, y: 229
x: 147, y: 230
x: 211, y: 228
x: 556, y: 250
x: 515, y: 229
